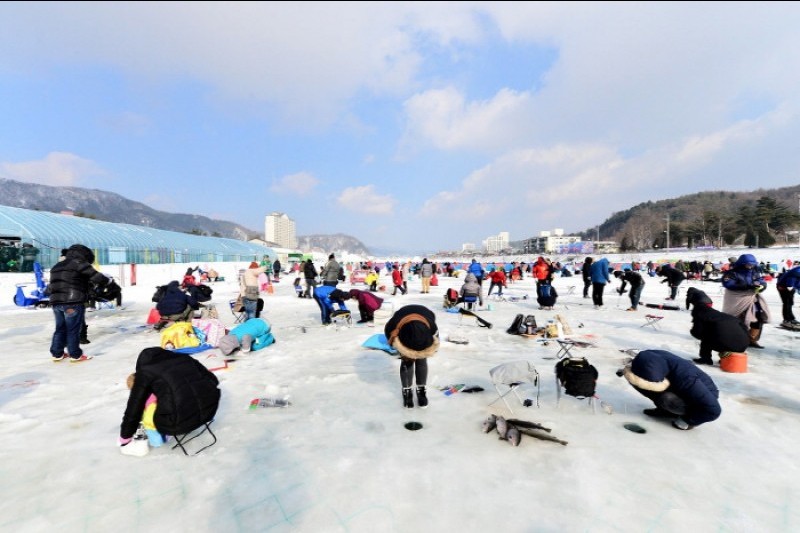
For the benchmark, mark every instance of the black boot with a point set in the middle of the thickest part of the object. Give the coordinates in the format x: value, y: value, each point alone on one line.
x: 658, y: 413
x: 703, y: 361
x: 84, y: 335
x: 408, y: 398
x: 422, y: 400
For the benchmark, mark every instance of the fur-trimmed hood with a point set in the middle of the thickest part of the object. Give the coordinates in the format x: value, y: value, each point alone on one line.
x: 648, y: 371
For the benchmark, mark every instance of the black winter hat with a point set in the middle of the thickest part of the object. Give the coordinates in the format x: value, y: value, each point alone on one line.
x: 82, y: 252
x: 416, y: 336
x: 336, y: 294
x: 697, y: 297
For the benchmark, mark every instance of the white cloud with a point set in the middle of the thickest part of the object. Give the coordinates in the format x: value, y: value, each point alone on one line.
x: 364, y: 199
x: 59, y: 169
x: 299, y: 184
x: 443, y: 118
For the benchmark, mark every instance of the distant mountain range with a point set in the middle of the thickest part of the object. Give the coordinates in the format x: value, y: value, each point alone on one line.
x: 111, y: 207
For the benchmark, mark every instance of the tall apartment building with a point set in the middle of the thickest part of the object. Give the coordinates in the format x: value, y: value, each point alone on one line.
x: 497, y: 243
x: 279, y: 228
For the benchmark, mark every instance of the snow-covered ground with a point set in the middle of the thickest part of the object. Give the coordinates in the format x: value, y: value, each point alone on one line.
x: 340, y: 459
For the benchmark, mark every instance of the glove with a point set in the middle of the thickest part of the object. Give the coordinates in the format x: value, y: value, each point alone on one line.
x: 759, y: 289
x: 680, y: 423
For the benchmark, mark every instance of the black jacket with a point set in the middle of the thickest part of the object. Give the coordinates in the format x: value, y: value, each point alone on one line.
x: 70, y: 278
x: 720, y: 331
x: 309, y: 270
x: 674, y: 277
x: 187, y: 393
x: 175, y: 300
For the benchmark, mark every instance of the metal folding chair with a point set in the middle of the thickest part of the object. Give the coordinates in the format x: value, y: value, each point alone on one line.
x: 564, y: 348
x: 341, y: 317
x: 181, y: 440
x: 513, y: 376
x: 238, y: 312
x: 652, y: 321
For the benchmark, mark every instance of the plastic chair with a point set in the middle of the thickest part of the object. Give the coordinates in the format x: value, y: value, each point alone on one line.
x: 513, y: 376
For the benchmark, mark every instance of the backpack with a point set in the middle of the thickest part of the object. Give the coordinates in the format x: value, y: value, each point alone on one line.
x: 450, y: 298
x: 159, y: 294
x: 517, y: 326
x: 577, y: 376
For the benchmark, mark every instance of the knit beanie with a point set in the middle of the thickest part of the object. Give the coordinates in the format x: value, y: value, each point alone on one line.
x: 253, y: 264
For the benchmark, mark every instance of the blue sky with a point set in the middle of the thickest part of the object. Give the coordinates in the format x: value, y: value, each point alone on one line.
x: 411, y: 126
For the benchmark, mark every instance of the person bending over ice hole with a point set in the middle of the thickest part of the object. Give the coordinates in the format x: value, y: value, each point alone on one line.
x: 717, y: 331
x: 679, y: 389
x: 412, y: 331
x: 673, y: 277
x: 326, y: 296
x: 368, y: 303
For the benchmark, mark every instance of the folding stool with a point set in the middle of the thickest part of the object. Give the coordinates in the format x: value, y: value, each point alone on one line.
x: 180, y: 440
x: 652, y: 321
x: 514, y: 375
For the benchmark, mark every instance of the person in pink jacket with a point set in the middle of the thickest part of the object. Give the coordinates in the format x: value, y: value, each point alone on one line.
x: 368, y: 303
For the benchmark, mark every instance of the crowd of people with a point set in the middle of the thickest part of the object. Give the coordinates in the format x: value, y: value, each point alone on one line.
x: 678, y: 387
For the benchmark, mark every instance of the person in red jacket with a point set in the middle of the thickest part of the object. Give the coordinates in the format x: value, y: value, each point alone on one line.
x: 368, y: 303
x: 497, y: 279
x: 397, y: 280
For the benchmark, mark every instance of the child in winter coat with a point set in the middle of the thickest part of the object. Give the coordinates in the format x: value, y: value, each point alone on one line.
x: 397, y: 280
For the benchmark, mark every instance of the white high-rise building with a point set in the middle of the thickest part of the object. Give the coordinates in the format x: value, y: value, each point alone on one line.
x: 279, y: 228
x: 497, y: 243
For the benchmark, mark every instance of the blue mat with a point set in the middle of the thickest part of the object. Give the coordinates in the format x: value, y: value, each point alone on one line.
x: 379, y: 342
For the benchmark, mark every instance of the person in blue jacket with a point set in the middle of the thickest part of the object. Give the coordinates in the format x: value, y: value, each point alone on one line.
x: 251, y: 335
x: 477, y: 269
x: 600, y: 276
x: 679, y: 389
x: 788, y: 282
x: 743, y: 296
x: 326, y: 296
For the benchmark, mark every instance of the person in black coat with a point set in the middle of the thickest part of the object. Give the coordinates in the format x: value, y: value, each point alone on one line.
x: 677, y: 387
x: 68, y: 292
x: 673, y: 277
x: 413, y: 332
x: 176, y: 304
x: 310, y: 273
x: 717, y: 331
x: 586, y: 274
x: 637, y: 285
x: 546, y: 301
x: 186, y: 393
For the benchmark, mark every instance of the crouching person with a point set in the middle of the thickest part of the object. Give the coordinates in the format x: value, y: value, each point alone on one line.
x: 368, y: 303
x: 716, y: 331
x: 180, y: 393
x: 679, y: 389
x: 252, y: 335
